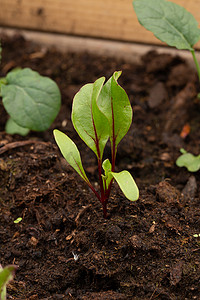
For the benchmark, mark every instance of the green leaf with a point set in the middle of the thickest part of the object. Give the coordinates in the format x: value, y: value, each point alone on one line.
x: 188, y: 160
x: 18, y: 220
x: 31, y: 100
x: 115, y: 105
x: 108, y: 176
x: 127, y: 184
x: 169, y: 22
x: 6, y: 275
x: 14, y: 128
x: 88, y: 120
x: 70, y: 153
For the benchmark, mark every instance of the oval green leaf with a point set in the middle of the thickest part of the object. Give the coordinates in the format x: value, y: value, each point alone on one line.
x: 115, y: 105
x: 32, y: 101
x: 70, y: 153
x: 127, y: 185
x: 18, y: 220
x: 169, y: 22
x: 88, y: 120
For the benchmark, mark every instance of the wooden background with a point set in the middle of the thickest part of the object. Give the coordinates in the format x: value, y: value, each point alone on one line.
x: 108, y: 19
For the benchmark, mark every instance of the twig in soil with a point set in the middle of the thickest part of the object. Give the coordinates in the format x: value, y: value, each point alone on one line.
x: 80, y: 213
x: 154, y: 294
x: 13, y: 145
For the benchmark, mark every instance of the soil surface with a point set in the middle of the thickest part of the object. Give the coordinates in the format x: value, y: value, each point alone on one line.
x: 63, y: 246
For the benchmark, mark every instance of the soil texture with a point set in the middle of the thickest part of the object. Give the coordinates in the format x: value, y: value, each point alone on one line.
x: 64, y: 248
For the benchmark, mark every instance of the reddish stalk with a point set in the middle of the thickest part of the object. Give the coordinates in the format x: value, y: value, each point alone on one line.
x: 102, y: 198
x: 113, y: 150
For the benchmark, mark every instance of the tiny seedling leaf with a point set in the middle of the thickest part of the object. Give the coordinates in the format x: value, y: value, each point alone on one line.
x: 188, y: 160
x: 88, y: 120
x: 107, y: 170
x: 127, y: 184
x: 70, y: 152
x: 196, y: 235
x: 13, y: 128
x: 32, y: 101
x: 18, y: 220
x: 169, y: 22
x: 115, y: 105
x: 6, y: 275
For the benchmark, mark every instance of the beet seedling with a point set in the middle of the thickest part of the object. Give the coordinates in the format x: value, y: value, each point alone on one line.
x: 31, y: 100
x: 100, y: 112
x: 174, y: 25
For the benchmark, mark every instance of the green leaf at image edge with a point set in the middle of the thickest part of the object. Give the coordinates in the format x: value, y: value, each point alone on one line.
x: 169, y: 22
x: 6, y: 275
x: 0, y: 51
x: 70, y: 153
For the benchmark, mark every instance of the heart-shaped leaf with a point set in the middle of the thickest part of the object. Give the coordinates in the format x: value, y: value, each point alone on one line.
x: 32, y: 101
x: 190, y: 161
x: 169, y: 22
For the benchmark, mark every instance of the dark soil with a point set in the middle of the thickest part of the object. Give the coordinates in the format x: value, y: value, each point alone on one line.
x: 63, y: 246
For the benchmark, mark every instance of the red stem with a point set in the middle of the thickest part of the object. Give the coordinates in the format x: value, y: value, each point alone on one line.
x: 104, y: 193
x: 104, y: 209
x: 113, y: 150
x: 94, y: 191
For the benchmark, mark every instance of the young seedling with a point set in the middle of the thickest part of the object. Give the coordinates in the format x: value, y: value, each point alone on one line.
x: 174, y: 25
x: 188, y: 160
x: 100, y: 112
x: 6, y: 275
x: 31, y: 100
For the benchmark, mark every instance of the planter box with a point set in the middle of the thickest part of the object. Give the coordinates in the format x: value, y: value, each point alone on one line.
x: 111, y: 19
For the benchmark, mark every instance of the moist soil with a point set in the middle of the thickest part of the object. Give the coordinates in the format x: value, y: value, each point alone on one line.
x: 64, y: 248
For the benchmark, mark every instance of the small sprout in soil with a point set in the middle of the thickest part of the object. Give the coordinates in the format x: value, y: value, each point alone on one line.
x: 18, y: 220
x: 196, y: 235
x: 100, y: 112
x: 175, y: 26
x: 6, y: 275
x: 188, y: 160
x: 31, y: 100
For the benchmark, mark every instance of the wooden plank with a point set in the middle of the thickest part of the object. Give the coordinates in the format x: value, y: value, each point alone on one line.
x: 110, y: 19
